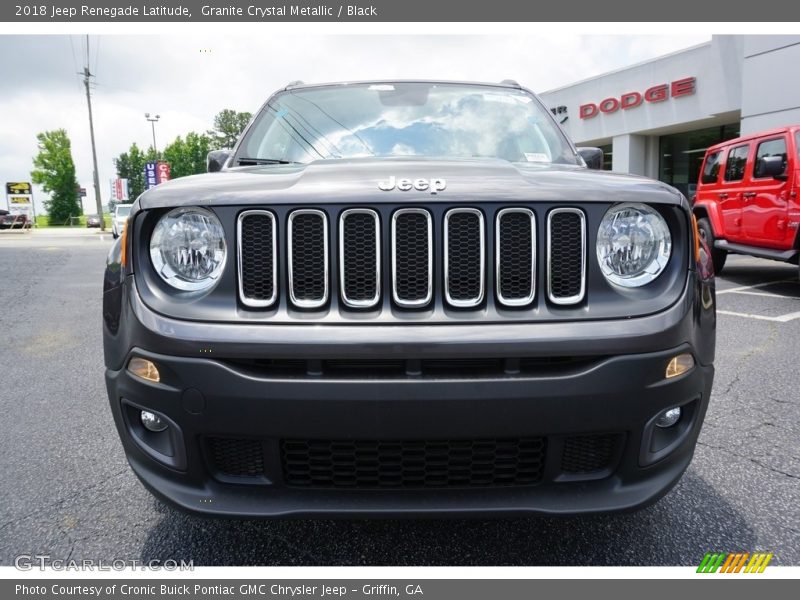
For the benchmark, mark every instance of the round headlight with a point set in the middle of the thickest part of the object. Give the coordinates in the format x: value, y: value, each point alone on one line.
x: 633, y: 244
x: 188, y: 248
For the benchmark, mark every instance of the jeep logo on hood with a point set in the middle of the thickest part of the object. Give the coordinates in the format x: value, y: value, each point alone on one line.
x: 405, y: 185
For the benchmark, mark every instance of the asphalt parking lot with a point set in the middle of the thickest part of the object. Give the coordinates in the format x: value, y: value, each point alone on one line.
x: 67, y: 490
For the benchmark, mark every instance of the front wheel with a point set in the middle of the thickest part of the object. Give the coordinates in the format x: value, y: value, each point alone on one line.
x: 718, y: 256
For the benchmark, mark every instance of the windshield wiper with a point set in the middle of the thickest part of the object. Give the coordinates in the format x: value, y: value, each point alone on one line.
x: 265, y: 161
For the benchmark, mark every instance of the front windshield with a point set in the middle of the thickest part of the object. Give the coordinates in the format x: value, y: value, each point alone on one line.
x: 123, y: 211
x: 404, y: 119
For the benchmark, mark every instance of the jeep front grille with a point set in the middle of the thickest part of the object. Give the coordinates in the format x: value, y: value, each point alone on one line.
x: 566, y: 251
x: 412, y: 257
x: 442, y: 256
x: 360, y: 257
x: 464, y: 257
x: 308, y: 258
x: 516, y: 256
x: 258, y: 281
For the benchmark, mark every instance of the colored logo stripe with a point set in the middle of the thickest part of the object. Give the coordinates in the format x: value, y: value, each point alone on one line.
x: 734, y: 562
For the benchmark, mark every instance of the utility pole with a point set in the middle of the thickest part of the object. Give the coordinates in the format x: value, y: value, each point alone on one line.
x: 86, y: 76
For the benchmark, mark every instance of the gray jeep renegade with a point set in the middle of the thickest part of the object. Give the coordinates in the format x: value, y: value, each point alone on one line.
x: 408, y: 297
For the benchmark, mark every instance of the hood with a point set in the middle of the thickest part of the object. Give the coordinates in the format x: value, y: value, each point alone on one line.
x: 355, y: 181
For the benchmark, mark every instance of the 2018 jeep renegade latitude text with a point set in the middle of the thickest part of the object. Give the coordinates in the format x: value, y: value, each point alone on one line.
x: 408, y: 297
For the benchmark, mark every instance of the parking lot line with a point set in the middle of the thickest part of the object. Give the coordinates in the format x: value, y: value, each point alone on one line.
x: 754, y: 286
x: 766, y: 295
x: 779, y: 319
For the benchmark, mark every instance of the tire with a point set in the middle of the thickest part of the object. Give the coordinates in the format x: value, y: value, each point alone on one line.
x: 718, y: 256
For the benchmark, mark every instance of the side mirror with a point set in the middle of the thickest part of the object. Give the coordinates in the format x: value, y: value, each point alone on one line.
x: 216, y: 160
x: 593, y: 157
x: 771, y: 166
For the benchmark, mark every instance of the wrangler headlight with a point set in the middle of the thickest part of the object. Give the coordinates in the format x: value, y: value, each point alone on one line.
x: 188, y: 248
x: 633, y: 244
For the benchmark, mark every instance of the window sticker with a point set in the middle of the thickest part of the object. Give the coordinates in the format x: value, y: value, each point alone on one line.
x: 537, y: 157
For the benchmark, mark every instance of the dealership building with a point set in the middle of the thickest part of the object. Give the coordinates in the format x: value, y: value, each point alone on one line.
x: 656, y: 118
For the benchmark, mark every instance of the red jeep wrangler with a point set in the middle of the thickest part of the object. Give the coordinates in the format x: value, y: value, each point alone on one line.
x: 747, y: 200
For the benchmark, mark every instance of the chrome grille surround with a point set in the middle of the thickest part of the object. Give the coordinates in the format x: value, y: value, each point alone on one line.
x: 250, y: 301
x: 577, y: 297
x: 478, y: 299
x: 356, y: 303
x: 304, y: 302
x: 414, y: 303
x: 515, y: 302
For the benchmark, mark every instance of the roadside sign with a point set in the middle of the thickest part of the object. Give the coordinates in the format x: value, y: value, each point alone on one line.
x: 162, y: 171
x: 19, y: 187
x: 82, y: 192
x: 19, y: 196
x: 150, y: 175
x: 156, y: 172
x: 119, y: 190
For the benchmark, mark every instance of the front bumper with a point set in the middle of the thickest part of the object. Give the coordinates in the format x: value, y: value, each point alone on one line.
x: 204, y: 392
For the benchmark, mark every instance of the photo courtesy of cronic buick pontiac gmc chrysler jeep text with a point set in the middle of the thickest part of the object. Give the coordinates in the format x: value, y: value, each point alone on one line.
x: 408, y: 297
x: 747, y: 199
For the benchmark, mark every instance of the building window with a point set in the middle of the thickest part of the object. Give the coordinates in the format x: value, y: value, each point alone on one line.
x: 737, y: 159
x: 681, y: 155
x: 608, y: 156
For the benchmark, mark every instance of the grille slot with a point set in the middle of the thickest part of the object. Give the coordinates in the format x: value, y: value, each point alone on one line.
x: 464, y: 250
x: 257, y: 264
x: 412, y: 257
x: 237, y: 457
x: 412, y: 464
x: 359, y: 257
x: 516, y: 256
x: 308, y: 258
x: 566, y: 252
x: 589, y: 453
x: 383, y: 368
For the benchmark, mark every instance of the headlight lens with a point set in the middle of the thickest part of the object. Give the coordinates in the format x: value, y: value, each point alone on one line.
x: 188, y: 248
x: 633, y: 244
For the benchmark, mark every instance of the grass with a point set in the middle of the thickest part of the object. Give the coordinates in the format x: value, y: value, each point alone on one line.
x: 44, y: 221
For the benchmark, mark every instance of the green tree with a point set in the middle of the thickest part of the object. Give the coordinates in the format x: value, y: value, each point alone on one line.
x: 54, y: 170
x: 130, y: 166
x: 188, y: 156
x: 228, y: 126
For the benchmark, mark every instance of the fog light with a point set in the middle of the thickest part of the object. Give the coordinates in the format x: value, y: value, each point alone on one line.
x: 679, y: 365
x: 669, y: 417
x: 153, y: 422
x: 141, y: 367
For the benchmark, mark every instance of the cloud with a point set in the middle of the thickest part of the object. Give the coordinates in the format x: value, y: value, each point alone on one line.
x: 187, y: 79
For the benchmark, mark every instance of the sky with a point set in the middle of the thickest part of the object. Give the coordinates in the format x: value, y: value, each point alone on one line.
x: 188, y: 79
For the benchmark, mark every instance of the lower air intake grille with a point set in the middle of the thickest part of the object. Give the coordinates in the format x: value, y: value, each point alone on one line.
x: 413, y: 257
x: 589, y: 453
x: 409, y: 464
x: 236, y: 457
x: 566, y: 248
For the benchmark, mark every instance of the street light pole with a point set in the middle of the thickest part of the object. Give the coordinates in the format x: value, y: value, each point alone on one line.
x: 153, y: 120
